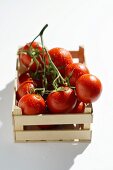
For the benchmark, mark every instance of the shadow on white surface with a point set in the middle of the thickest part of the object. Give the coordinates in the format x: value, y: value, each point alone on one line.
x: 6, y: 99
x: 35, y: 156
x: 40, y: 156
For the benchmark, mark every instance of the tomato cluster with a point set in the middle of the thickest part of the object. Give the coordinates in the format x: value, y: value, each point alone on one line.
x: 52, y: 83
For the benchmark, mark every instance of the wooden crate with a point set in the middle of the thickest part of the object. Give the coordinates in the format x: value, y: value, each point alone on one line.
x: 70, y: 127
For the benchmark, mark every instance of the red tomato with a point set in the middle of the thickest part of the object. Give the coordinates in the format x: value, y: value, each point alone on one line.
x: 61, y: 58
x: 88, y: 88
x: 24, y: 77
x: 61, y: 101
x: 27, y: 77
x: 74, y: 71
x: 32, y: 104
x: 33, y: 67
x: 34, y: 45
x: 24, y: 55
x: 25, y: 88
x: 79, y: 108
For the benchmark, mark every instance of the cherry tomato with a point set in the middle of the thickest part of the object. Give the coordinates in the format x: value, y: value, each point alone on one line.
x: 74, y: 71
x: 79, y: 107
x: 24, y: 55
x: 25, y: 88
x: 61, y: 101
x: 33, y: 67
x: 24, y: 77
x: 32, y: 104
x: 88, y: 88
x: 61, y: 58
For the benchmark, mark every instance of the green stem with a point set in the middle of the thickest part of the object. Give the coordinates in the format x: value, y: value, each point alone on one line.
x: 54, y: 82
x: 55, y: 69
x: 44, y: 75
x: 43, y: 29
x: 40, y: 34
x: 40, y: 89
x: 30, y: 47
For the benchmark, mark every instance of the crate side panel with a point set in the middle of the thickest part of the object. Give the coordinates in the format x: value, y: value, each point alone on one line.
x: 54, y: 135
x: 52, y: 119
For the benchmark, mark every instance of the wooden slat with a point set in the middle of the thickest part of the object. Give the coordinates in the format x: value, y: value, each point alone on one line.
x: 17, y: 126
x: 53, y: 135
x: 51, y: 119
x: 89, y: 108
x: 17, y: 111
x: 79, y: 54
x: 20, y: 68
x: 86, y: 125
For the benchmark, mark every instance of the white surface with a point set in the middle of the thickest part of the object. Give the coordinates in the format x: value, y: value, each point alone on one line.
x: 71, y: 23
